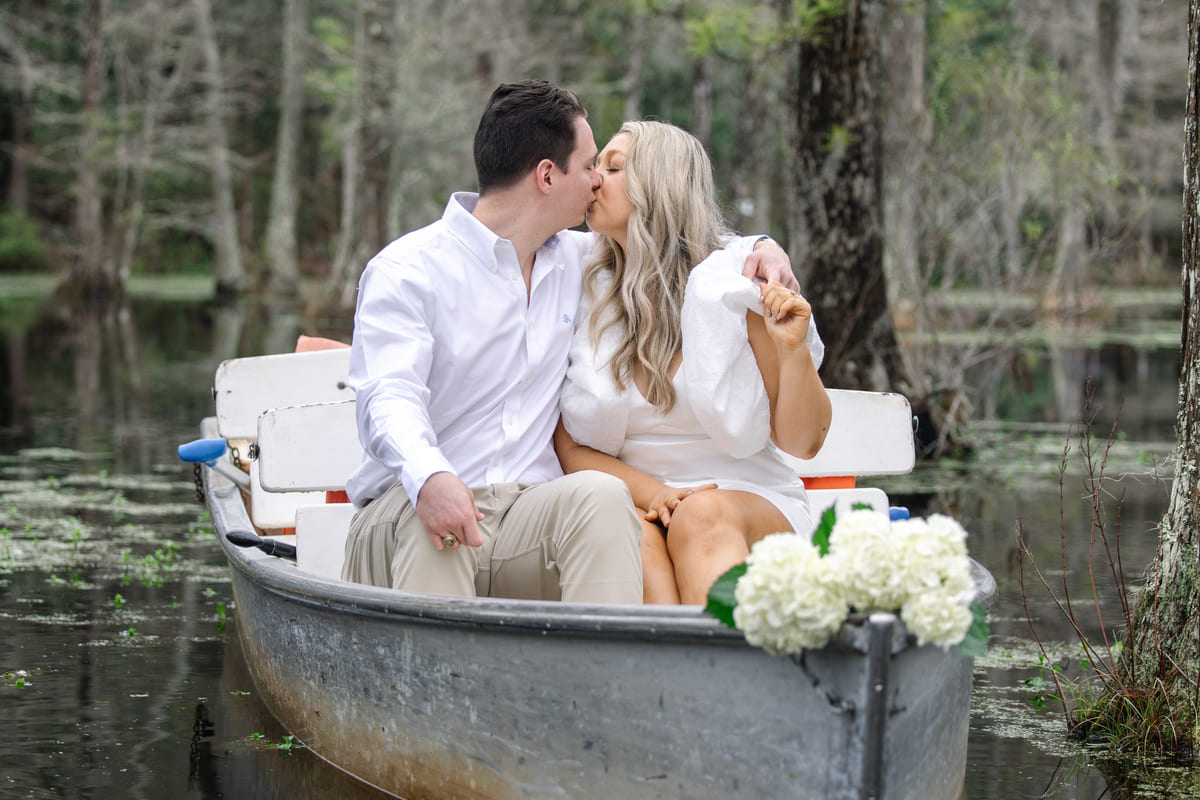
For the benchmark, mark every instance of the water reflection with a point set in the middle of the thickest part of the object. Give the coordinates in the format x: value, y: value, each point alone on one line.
x: 202, y: 769
x: 128, y: 700
x: 95, y: 376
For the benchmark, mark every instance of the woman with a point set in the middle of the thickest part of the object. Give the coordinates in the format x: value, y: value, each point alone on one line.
x: 681, y: 393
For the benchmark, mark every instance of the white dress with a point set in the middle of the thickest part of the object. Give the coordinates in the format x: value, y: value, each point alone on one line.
x: 675, y: 450
x: 719, y: 430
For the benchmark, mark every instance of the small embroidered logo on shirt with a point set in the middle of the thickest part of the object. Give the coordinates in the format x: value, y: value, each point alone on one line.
x: 566, y: 319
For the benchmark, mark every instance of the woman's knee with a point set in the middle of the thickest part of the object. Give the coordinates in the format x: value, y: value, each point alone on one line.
x: 705, y: 512
x: 701, y: 526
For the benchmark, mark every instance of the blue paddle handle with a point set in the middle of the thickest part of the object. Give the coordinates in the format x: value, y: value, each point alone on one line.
x: 202, y: 451
x: 207, y: 452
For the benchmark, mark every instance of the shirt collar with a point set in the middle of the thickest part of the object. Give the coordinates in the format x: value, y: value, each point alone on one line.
x: 479, y: 238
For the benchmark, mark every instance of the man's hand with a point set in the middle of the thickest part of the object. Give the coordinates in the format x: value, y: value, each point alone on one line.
x: 770, y: 262
x: 446, y: 508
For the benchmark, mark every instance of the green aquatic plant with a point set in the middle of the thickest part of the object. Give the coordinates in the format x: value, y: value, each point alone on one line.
x: 18, y: 679
x: 117, y: 503
x: 152, y: 568
x: 201, y: 525
x: 1100, y: 705
x: 290, y: 743
x: 1134, y: 719
x: 287, y: 745
x: 1039, y: 684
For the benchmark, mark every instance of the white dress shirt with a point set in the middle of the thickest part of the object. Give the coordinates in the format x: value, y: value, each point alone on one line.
x: 453, y: 368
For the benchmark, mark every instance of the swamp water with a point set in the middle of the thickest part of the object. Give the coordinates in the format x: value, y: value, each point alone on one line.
x: 120, y: 671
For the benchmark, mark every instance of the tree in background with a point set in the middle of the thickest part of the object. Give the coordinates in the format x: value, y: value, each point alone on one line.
x: 839, y: 183
x: 231, y: 277
x: 90, y: 269
x: 1021, y: 148
x: 282, y: 270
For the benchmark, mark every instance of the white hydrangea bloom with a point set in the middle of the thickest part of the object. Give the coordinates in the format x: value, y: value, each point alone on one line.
x: 872, y: 561
x: 884, y: 563
x: 790, y: 598
x: 939, y: 536
x: 937, y: 618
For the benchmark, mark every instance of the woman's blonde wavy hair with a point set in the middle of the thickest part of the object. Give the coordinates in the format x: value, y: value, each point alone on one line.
x: 674, y: 224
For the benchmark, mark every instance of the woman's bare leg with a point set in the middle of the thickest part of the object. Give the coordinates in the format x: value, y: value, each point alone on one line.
x: 712, y: 531
x: 658, y: 573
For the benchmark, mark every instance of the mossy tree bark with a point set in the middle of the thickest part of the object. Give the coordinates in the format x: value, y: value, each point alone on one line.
x: 839, y: 182
x: 1165, y: 638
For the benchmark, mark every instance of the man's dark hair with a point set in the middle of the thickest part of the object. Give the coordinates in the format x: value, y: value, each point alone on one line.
x: 523, y: 123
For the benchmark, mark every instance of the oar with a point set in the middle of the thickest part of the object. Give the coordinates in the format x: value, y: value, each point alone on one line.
x: 271, y: 547
x: 207, y: 452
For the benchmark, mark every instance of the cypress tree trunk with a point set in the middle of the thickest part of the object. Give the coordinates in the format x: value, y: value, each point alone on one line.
x: 839, y: 168
x: 91, y: 271
x: 21, y: 101
x: 226, y: 241
x: 347, y: 259
x: 283, y: 269
x: 1165, y: 639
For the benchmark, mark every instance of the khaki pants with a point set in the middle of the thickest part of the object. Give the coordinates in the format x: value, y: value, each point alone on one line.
x: 576, y: 538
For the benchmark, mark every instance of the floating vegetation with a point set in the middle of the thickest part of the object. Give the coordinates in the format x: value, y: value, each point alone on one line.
x: 1006, y: 706
x: 287, y: 745
x: 106, y: 558
x: 18, y: 679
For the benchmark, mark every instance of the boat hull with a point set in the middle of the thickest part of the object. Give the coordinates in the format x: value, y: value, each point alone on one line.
x: 443, y: 698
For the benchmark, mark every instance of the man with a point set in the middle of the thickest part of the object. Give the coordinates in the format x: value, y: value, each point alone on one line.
x: 460, y: 346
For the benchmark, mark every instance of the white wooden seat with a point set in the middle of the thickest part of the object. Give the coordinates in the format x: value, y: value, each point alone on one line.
x: 311, y: 447
x: 302, y: 448
x: 244, y: 388
x: 870, y: 433
x: 308, y: 446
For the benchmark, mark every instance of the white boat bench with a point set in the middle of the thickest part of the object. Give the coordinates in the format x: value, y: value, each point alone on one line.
x: 298, y: 411
x: 244, y: 388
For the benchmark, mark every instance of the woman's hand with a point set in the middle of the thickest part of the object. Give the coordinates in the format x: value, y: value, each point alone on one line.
x: 787, y: 315
x: 663, y: 503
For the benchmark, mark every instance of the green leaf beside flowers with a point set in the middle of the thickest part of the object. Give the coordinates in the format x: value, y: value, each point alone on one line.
x: 820, y: 538
x: 974, y: 644
x: 722, y: 597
